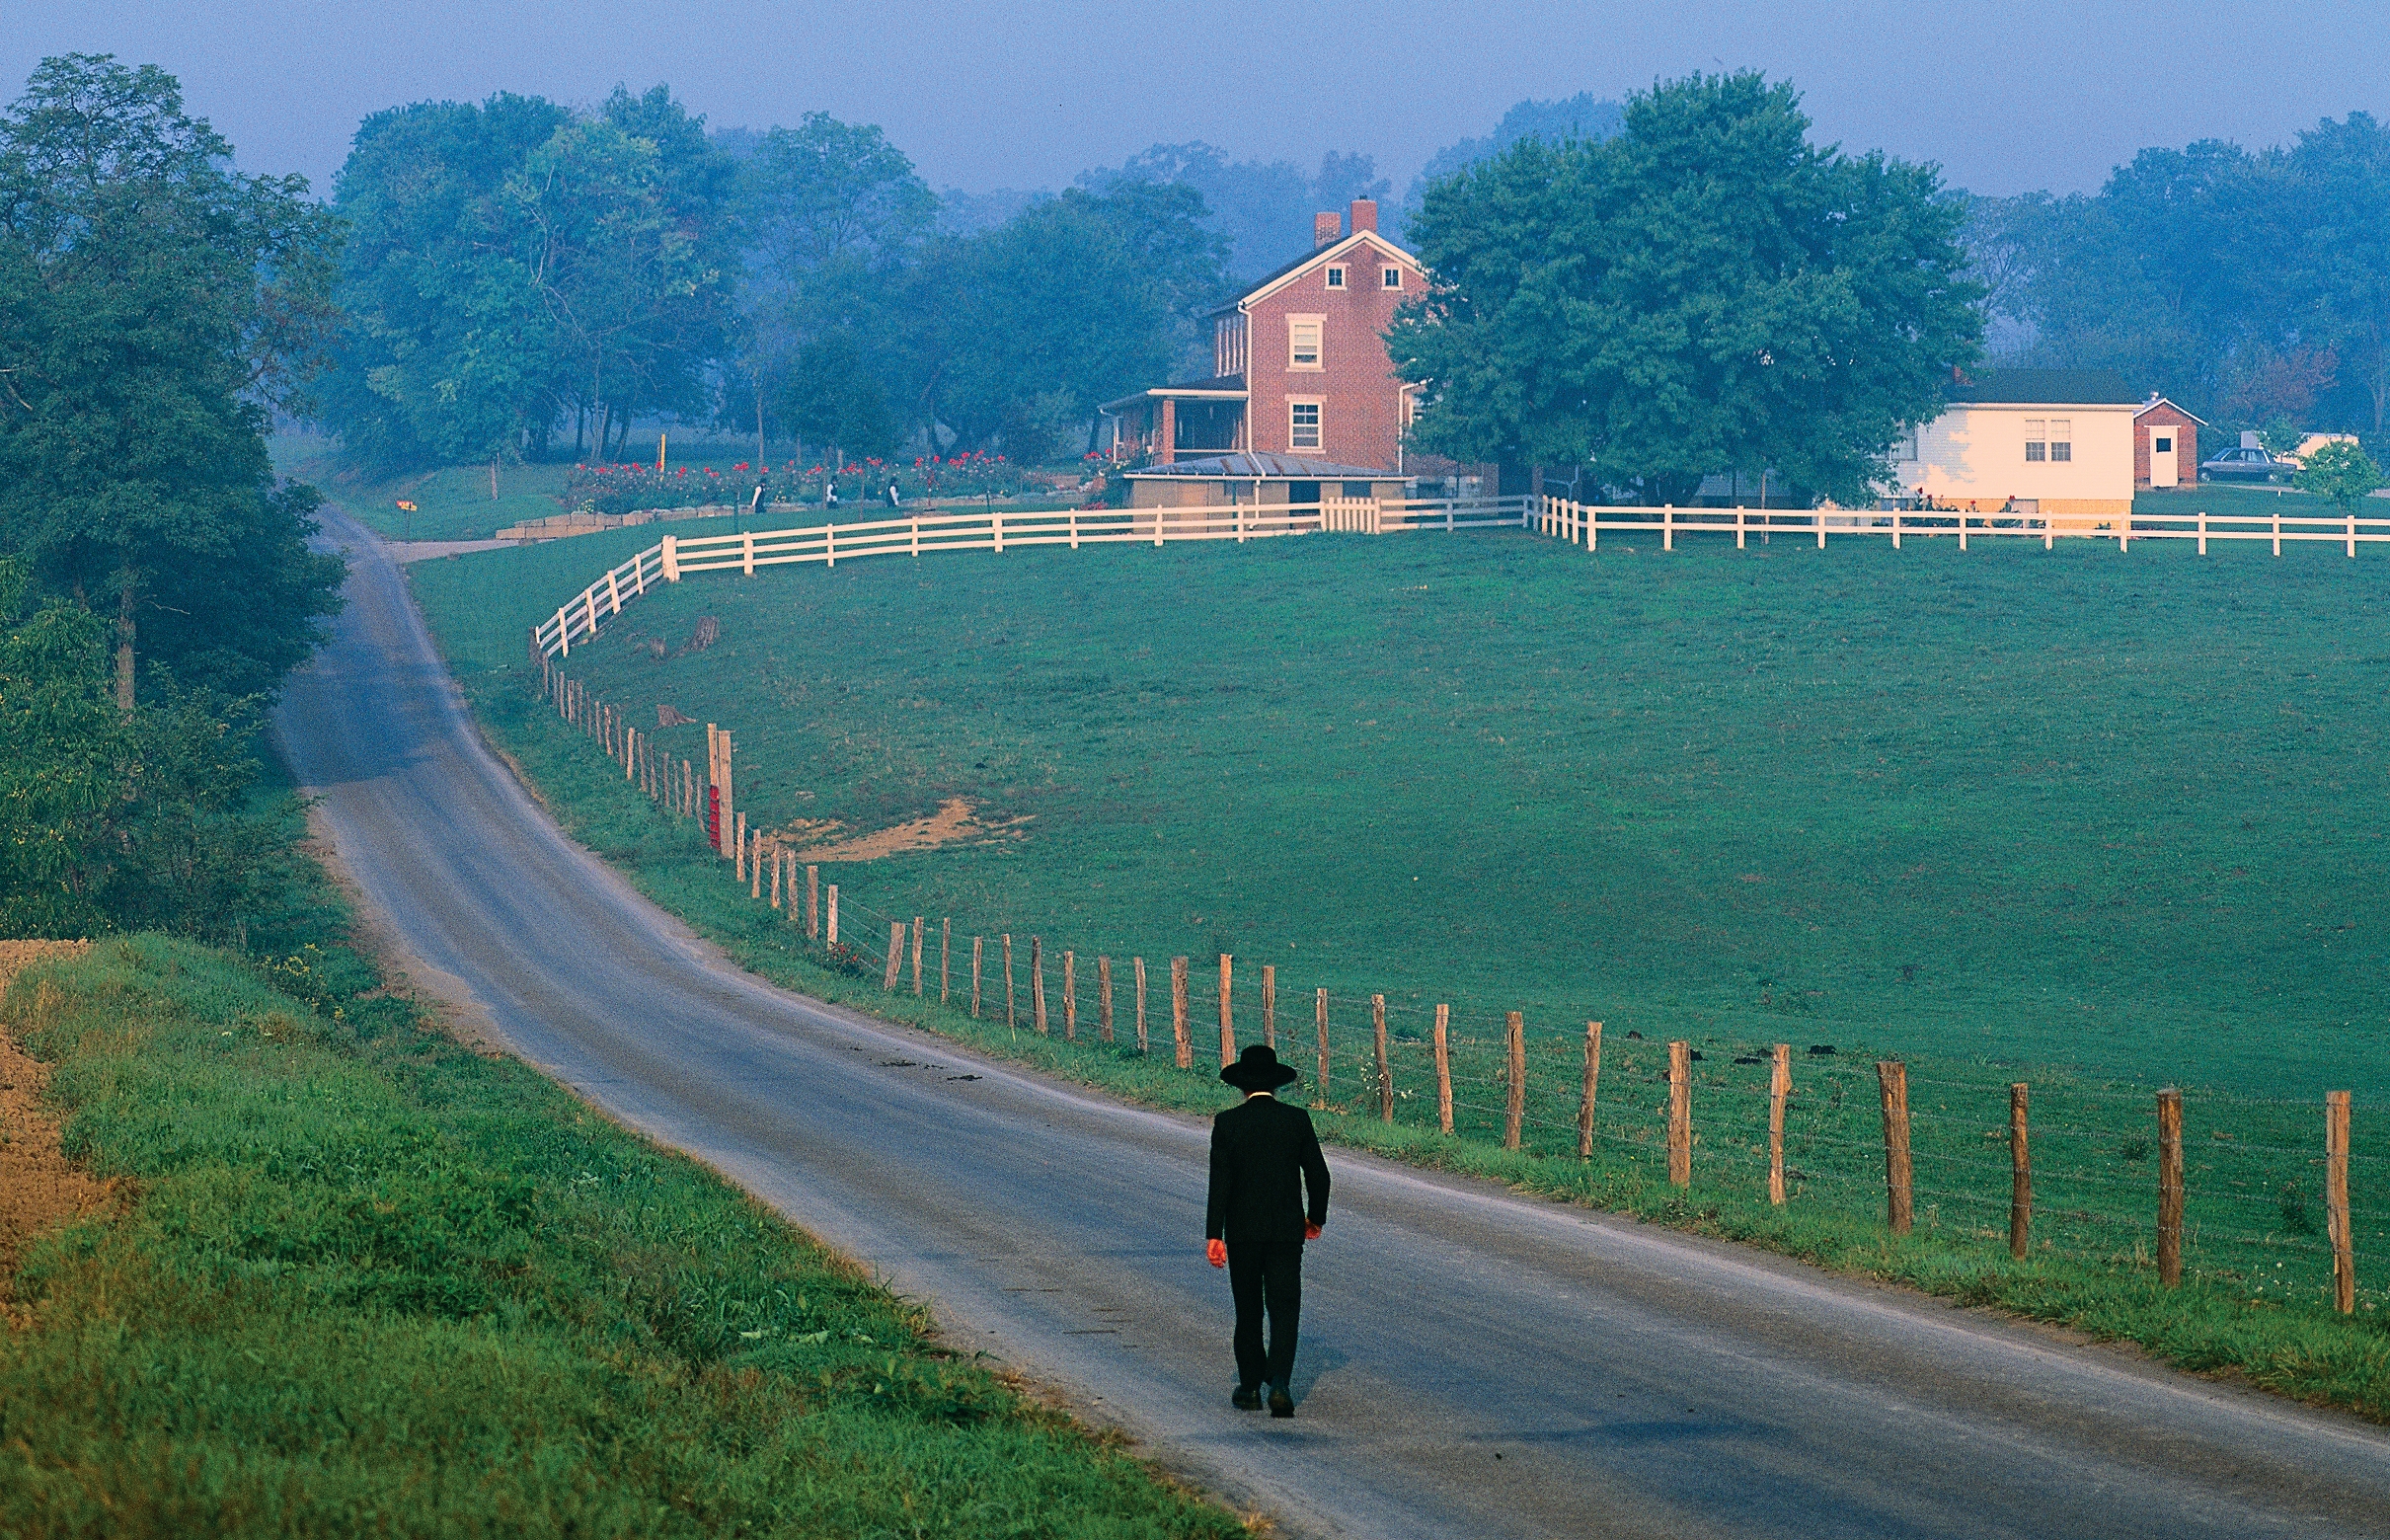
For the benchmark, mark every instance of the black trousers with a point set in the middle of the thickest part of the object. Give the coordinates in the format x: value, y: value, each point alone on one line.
x: 1265, y: 1275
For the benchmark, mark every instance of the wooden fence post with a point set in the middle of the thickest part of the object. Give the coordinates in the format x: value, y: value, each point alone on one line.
x: 1037, y: 985
x: 1137, y: 968
x: 2019, y: 1174
x: 1270, y: 1004
x: 1178, y: 1013
x: 1681, y: 1114
x: 1891, y: 1080
x: 2335, y: 1202
x: 946, y: 946
x: 754, y: 860
x: 1584, y: 1105
x: 1071, y: 995
x: 1228, y: 1033
x: 1443, y: 1069
x: 1779, y: 1087
x: 776, y: 864
x: 1102, y: 997
x: 1515, y: 1123
x: 739, y: 850
x: 1011, y: 1017
x: 916, y: 957
x: 1320, y: 1010
x: 895, y: 953
x: 1385, y: 1066
x: 978, y: 943
x: 833, y: 935
x: 812, y: 907
x: 2170, y: 1187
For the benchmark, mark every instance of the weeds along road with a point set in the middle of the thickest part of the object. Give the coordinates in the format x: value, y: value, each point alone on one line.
x: 1473, y: 1364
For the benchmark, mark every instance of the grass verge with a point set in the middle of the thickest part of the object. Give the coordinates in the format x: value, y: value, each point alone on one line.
x: 372, y: 1282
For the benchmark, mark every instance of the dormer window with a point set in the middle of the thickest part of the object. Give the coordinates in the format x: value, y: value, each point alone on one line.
x: 1335, y: 278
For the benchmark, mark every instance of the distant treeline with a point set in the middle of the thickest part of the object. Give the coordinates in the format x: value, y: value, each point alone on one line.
x: 523, y: 279
x: 2251, y: 286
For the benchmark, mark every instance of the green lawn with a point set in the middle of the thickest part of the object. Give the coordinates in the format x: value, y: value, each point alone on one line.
x: 369, y: 1283
x: 2092, y: 820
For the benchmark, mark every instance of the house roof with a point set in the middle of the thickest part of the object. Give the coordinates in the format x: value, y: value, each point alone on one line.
x: 1222, y: 386
x: 1260, y: 466
x: 2042, y: 387
x: 2155, y: 402
x: 1317, y: 254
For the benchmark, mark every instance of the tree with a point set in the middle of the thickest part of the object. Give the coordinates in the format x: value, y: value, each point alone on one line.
x: 154, y: 306
x: 447, y: 343
x: 514, y: 261
x: 1073, y: 301
x: 1703, y: 292
x: 2336, y: 264
x: 1583, y: 115
x: 1261, y: 209
x: 2341, y: 471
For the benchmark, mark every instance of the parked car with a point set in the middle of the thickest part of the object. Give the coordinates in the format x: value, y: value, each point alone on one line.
x: 2249, y: 464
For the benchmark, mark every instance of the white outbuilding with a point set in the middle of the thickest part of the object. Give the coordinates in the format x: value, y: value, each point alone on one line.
x: 2054, y: 443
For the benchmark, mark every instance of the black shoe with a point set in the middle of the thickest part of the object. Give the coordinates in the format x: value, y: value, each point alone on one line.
x: 1280, y: 1403
x: 1246, y: 1397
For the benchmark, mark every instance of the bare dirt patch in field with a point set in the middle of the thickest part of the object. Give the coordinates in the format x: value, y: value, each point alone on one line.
x: 956, y: 822
x: 39, y: 1187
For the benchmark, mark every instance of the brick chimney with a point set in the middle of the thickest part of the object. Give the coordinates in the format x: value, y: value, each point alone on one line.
x: 1327, y: 229
x: 1365, y: 214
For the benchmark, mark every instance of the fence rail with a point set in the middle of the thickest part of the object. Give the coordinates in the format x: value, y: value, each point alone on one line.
x: 1584, y: 523
x: 927, y: 533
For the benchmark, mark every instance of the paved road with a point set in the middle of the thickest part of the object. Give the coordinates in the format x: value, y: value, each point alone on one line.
x: 1473, y: 1364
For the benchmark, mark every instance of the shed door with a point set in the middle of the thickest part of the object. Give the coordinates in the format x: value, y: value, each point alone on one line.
x: 2162, y: 461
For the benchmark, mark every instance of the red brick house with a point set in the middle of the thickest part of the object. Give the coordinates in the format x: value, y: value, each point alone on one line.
x: 1299, y: 364
x: 2165, y: 445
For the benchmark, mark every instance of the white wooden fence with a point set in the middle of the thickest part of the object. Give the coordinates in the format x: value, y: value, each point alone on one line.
x: 1583, y: 524
x: 921, y: 534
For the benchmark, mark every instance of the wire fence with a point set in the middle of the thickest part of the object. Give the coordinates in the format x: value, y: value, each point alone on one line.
x: 2266, y: 1184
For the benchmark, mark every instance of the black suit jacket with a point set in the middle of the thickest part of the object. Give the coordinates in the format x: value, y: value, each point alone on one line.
x: 1264, y: 1154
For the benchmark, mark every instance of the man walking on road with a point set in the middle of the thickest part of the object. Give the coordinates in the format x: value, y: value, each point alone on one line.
x: 1264, y: 1157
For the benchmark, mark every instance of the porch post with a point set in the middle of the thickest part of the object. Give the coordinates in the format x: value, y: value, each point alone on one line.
x: 1168, y: 446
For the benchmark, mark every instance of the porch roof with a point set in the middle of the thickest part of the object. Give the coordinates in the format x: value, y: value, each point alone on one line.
x: 1224, y: 387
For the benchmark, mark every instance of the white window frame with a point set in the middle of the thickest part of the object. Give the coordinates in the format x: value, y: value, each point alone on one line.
x: 1336, y: 276
x: 2037, y: 440
x: 2062, y: 440
x: 1904, y: 448
x: 1319, y: 342
x: 1295, y: 405
x: 1393, y: 278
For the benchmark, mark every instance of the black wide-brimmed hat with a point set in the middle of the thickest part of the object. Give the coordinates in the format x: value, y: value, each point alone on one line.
x: 1258, y: 1070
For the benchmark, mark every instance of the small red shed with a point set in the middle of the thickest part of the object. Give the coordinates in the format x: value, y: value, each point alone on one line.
x: 2165, y: 445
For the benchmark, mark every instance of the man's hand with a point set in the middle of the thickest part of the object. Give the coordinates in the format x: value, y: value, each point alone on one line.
x: 1311, y: 1232
x: 1218, y: 1251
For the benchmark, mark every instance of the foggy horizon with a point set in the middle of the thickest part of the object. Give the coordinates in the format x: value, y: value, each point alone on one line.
x: 2034, y: 96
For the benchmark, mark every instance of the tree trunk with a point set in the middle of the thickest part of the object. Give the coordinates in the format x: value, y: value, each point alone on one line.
x: 494, y: 477
x: 759, y: 423
x: 124, y: 645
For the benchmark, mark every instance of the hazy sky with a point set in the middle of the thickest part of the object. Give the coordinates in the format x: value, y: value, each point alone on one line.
x: 2006, y: 94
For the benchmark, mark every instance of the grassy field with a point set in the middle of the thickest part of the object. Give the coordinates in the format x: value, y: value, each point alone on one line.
x: 364, y: 1281
x: 2098, y: 822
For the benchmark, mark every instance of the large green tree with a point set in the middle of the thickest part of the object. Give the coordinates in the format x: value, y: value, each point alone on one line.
x: 154, y: 306
x: 1705, y: 291
x: 514, y: 262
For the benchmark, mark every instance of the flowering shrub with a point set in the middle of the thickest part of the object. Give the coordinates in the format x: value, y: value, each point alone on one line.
x: 627, y: 489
